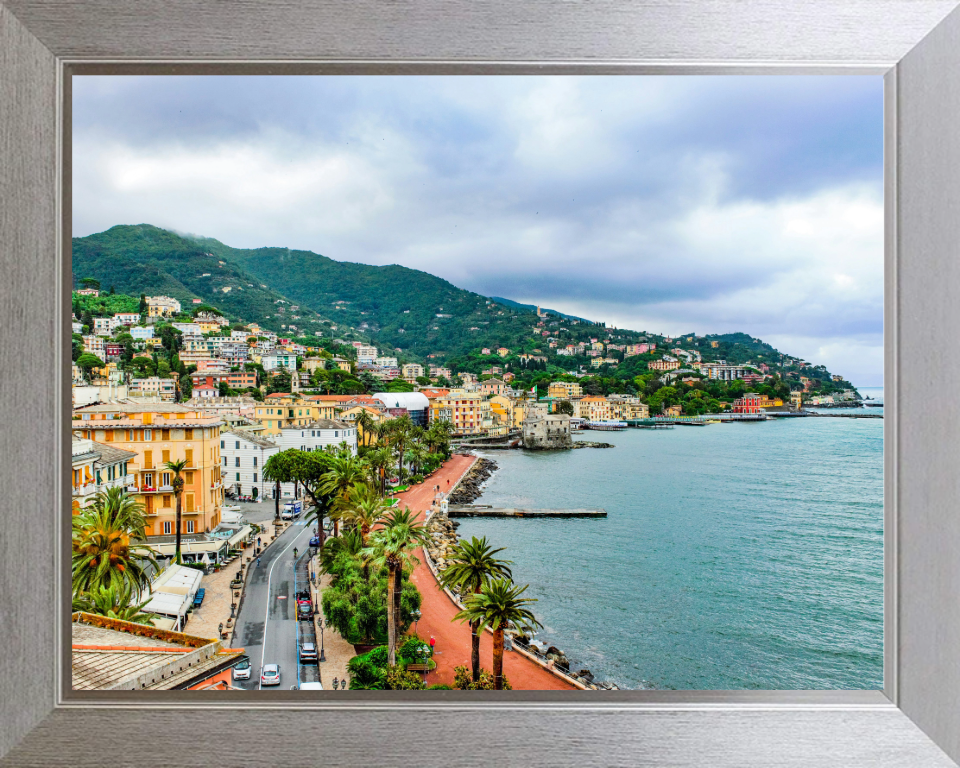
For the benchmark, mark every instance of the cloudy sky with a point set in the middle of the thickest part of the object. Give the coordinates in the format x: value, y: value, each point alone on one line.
x: 667, y: 204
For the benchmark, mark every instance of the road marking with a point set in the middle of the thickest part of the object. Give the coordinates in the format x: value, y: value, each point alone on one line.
x: 266, y: 613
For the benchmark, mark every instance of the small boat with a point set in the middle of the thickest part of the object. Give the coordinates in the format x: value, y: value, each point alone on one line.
x: 607, y: 425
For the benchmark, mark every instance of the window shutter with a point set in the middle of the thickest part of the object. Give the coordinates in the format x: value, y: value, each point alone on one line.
x: 166, y: 456
x: 148, y: 459
x: 189, y: 456
x: 189, y: 502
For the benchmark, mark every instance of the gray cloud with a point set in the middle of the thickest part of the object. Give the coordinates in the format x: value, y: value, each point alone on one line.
x: 665, y: 203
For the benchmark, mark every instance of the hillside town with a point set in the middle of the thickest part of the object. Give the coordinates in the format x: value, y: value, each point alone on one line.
x: 188, y: 425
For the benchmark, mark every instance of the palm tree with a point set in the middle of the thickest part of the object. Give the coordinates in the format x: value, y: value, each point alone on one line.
x: 392, y: 546
x: 362, y: 507
x: 470, y: 566
x: 417, y: 457
x: 177, y: 467
x: 108, y: 544
x: 498, y: 605
x: 114, y: 602
x: 365, y: 424
x: 346, y: 471
x: 380, y: 460
x: 350, y: 543
x: 400, y: 432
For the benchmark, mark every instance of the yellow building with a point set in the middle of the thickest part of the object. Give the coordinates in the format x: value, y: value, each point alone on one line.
x: 796, y: 399
x: 509, y: 412
x: 208, y: 326
x: 158, y: 433
x: 279, y: 410
x: 469, y: 412
x: 565, y: 390
x: 593, y: 408
x: 162, y: 306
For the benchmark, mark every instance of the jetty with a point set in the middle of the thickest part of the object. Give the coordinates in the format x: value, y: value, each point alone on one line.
x: 484, y: 511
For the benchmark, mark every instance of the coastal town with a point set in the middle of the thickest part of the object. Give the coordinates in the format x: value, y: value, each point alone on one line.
x: 228, y: 468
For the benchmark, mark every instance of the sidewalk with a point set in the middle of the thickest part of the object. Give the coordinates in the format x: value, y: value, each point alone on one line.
x: 336, y: 650
x: 437, y: 611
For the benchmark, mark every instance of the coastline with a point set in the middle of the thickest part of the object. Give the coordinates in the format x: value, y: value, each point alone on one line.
x: 444, y: 536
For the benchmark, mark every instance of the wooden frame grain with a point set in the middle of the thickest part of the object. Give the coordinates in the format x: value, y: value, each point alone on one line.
x: 914, y: 43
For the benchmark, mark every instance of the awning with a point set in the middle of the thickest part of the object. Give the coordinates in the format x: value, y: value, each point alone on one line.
x: 240, y: 535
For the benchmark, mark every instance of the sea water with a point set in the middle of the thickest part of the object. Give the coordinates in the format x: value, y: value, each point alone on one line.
x: 734, y: 556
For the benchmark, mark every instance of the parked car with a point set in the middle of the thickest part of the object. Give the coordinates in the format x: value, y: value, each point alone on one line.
x: 315, y: 541
x: 270, y: 675
x: 242, y: 670
x: 311, y: 687
x: 308, y: 653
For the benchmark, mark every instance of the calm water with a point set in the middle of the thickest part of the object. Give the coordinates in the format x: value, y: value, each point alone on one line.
x: 734, y: 555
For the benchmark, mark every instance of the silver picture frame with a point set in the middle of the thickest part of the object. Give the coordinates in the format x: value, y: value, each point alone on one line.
x: 914, y: 44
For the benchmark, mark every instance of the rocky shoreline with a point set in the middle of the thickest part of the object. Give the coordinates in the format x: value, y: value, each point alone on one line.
x: 443, y: 537
x: 590, y: 444
x: 469, y: 487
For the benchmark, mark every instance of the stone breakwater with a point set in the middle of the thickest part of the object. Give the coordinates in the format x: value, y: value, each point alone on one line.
x: 589, y: 444
x: 443, y: 538
x: 469, y: 488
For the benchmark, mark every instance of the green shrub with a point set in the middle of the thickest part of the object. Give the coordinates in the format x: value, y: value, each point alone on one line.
x: 416, y: 479
x: 463, y: 680
x: 439, y: 687
x: 410, y: 651
x: 364, y: 676
x: 398, y: 679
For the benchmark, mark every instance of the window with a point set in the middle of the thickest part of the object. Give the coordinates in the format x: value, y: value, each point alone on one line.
x: 148, y: 434
x: 167, y: 527
x: 148, y: 479
x: 254, y: 461
x: 238, y: 445
x: 224, y: 461
x: 189, y: 526
x: 238, y: 475
x: 165, y: 434
x: 222, y: 445
x: 166, y: 456
x: 166, y: 499
x: 166, y: 479
x: 238, y: 461
x: 190, y: 507
x: 188, y: 434
x: 189, y: 455
x: 189, y: 480
x: 254, y: 477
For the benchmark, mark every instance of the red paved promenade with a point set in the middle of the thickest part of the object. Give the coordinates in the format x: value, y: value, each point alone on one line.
x: 453, y: 638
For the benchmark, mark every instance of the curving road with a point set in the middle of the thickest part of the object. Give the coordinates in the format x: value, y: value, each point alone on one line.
x: 267, y: 623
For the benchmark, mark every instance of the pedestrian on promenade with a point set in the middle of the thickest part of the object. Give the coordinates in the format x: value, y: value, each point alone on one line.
x: 433, y: 642
x: 258, y: 562
x: 258, y: 542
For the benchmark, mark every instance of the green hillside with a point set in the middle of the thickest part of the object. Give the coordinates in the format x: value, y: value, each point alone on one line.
x: 146, y: 259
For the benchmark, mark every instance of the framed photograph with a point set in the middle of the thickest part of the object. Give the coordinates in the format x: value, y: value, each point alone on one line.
x: 193, y: 507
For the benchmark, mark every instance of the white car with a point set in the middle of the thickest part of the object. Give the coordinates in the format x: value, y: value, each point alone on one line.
x: 270, y: 675
x: 242, y: 670
x: 311, y: 687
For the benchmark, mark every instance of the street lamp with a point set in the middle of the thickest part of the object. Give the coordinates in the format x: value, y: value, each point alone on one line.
x: 343, y: 685
x: 416, y: 619
x: 221, y: 630
x: 323, y: 656
x: 336, y: 682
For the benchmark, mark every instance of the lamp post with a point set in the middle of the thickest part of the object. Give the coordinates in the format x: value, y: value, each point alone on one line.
x: 221, y: 630
x: 323, y: 656
x: 416, y: 619
x: 343, y: 684
x: 336, y: 682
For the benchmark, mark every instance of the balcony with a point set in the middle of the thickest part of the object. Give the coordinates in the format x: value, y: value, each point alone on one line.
x: 165, y: 489
x: 83, y: 491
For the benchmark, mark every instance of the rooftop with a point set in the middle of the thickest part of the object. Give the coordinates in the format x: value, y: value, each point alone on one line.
x: 320, y: 424
x: 109, y: 654
x: 250, y: 437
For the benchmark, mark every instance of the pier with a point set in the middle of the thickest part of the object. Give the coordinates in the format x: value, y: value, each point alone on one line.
x: 484, y: 511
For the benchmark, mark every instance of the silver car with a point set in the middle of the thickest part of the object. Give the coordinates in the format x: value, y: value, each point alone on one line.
x: 270, y: 674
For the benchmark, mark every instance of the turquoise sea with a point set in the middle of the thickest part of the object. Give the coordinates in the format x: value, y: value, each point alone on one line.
x: 734, y: 556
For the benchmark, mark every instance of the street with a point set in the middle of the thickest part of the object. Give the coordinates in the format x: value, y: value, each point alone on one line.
x: 267, y: 624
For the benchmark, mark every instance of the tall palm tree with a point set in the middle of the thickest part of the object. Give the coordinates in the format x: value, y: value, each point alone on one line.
x: 114, y: 602
x: 498, y: 605
x: 392, y: 546
x: 362, y: 507
x: 346, y: 471
x: 470, y: 566
x: 177, y: 467
x: 365, y: 425
x: 400, y: 434
x: 417, y: 456
x: 350, y: 543
x: 380, y: 459
x: 109, y: 546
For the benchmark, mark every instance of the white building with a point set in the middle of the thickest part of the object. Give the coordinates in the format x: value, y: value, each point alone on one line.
x: 141, y: 332
x: 103, y: 326
x: 366, y: 354
x: 412, y: 371
x: 166, y: 389
x: 243, y: 455
x: 127, y: 318
x: 386, y: 362
x: 277, y: 360
x: 162, y: 306
x: 189, y: 329
x: 317, y: 435
x: 94, y: 345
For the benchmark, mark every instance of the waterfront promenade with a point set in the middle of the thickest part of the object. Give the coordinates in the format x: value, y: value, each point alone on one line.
x: 453, y: 638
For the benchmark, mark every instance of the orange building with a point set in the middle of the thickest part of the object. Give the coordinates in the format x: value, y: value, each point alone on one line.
x: 158, y: 433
